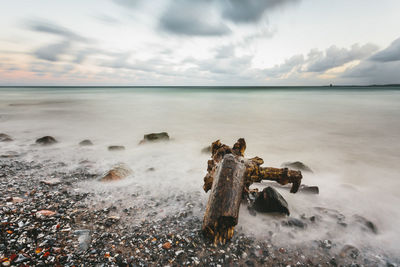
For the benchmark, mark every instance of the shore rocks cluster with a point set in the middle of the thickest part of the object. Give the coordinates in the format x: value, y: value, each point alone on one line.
x: 46, y: 221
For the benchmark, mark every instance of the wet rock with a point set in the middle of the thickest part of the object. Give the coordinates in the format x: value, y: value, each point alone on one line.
x: 153, y: 137
x: 326, y: 244
x: 293, y: 222
x: 116, y: 148
x: 15, y: 200
x: 349, y: 251
x: 309, y: 189
x: 332, y: 213
x: 111, y: 220
x: 54, y: 181
x: 118, y: 172
x: 45, y: 213
x: 166, y: 245
x: 86, y: 142
x: 5, y: 137
x: 46, y: 140
x: 206, y: 150
x: 10, y: 154
x: 296, y: 165
x: 21, y: 258
x: 366, y: 225
x: 269, y: 200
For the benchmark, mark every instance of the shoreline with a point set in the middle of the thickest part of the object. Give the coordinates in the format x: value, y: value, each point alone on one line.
x: 86, y: 231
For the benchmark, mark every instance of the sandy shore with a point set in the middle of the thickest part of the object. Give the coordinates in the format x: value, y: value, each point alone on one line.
x: 58, y: 224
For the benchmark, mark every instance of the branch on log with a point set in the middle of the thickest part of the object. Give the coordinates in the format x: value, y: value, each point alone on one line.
x: 229, y: 178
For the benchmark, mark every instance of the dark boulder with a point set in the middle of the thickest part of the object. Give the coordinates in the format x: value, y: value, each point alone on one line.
x: 86, y: 142
x: 296, y: 165
x: 269, y: 200
x: 5, y: 137
x: 153, y: 137
x: 116, y: 148
x: 46, y: 140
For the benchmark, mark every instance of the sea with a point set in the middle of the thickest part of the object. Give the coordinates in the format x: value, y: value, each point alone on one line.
x: 348, y: 136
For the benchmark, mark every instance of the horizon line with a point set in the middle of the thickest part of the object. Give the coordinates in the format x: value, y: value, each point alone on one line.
x: 196, y: 86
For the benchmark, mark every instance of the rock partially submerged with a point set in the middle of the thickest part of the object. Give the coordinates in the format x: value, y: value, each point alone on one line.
x: 46, y: 140
x: 53, y: 181
x: 5, y: 137
x: 269, y: 200
x: 309, y: 189
x: 296, y: 165
x: 86, y: 142
x: 293, y: 222
x: 10, y: 154
x: 154, y: 137
x: 117, y: 173
x: 116, y: 148
x: 366, y: 225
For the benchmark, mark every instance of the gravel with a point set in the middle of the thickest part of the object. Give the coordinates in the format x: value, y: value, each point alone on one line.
x: 53, y: 223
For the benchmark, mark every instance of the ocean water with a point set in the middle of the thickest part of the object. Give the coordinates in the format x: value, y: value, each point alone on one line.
x: 350, y: 137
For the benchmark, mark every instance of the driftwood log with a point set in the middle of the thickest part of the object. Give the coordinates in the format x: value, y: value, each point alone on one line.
x: 229, y: 178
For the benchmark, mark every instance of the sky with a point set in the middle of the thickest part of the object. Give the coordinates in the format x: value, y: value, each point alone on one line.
x: 199, y: 42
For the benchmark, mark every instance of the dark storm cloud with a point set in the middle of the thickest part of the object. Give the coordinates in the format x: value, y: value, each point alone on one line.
x: 186, y: 17
x: 336, y: 57
x: 391, y: 53
x: 52, y: 52
x: 250, y: 11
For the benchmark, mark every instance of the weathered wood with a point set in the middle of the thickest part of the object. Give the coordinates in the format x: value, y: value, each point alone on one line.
x: 222, y: 211
x: 229, y: 178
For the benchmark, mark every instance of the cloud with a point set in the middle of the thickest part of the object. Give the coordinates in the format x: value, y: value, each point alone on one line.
x: 250, y: 11
x: 212, y: 17
x: 293, y: 63
x: 127, y: 3
x: 187, y: 17
x: 381, y: 68
x: 391, y: 53
x: 52, y: 28
x: 336, y: 57
x: 53, y: 51
x: 225, y: 63
x: 370, y: 72
x: 103, y: 18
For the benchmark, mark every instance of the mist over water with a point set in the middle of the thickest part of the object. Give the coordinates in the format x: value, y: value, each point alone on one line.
x: 350, y: 138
